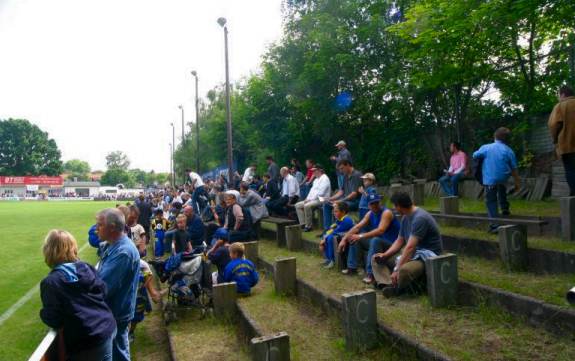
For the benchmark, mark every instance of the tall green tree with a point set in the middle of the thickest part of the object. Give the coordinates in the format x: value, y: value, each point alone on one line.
x: 78, y: 169
x: 117, y: 160
x: 27, y: 150
x: 115, y: 176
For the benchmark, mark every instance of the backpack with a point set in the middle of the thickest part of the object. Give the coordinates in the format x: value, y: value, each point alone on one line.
x: 478, y: 170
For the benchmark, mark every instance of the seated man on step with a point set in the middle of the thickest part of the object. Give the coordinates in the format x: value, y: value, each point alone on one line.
x: 376, y: 232
x: 420, y: 239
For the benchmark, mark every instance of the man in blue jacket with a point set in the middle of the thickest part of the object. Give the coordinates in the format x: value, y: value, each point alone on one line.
x: 195, y: 227
x: 499, y: 163
x: 119, y: 268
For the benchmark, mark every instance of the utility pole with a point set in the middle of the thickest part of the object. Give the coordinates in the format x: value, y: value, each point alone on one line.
x: 195, y: 74
x: 222, y: 22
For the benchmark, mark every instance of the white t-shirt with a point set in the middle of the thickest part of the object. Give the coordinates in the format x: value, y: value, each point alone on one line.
x: 196, y: 177
x: 248, y: 175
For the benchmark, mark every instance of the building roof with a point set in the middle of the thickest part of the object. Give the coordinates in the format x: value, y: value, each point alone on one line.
x: 81, y: 184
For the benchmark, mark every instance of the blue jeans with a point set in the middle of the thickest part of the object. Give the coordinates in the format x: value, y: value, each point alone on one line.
x: 493, y: 195
x: 373, y: 246
x: 102, y: 352
x: 198, y: 191
x: 449, y: 184
x: 328, y: 212
x: 304, y: 190
x: 340, y: 178
x: 328, y: 248
x: 121, y: 344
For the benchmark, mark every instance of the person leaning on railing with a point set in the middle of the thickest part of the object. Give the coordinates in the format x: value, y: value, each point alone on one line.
x: 73, y: 301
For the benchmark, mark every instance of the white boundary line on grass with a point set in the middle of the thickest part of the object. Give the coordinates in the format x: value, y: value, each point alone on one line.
x: 16, y: 306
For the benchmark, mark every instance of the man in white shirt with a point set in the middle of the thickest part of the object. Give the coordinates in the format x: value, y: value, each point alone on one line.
x: 321, y: 188
x: 199, y: 190
x: 249, y: 174
x: 289, y: 194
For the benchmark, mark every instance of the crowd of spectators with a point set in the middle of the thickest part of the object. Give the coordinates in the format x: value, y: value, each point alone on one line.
x: 98, y: 309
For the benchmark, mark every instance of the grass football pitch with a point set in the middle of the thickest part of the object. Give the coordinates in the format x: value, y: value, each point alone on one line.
x: 22, y: 267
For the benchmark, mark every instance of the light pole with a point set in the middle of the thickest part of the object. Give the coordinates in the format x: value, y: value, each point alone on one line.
x: 195, y: 74
x: 182, y: 109
x: 222, y: 22
x: 172, y: 165
x: 173, y: 154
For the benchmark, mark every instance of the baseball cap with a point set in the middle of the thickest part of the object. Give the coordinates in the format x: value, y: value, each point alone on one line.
x: 372, y: 198
x: 317, y: 166
x: 368, y: 176
x: 341, y: 142
x: 233, y: 193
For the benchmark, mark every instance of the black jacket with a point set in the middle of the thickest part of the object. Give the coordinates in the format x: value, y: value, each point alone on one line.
x: 73, y: 300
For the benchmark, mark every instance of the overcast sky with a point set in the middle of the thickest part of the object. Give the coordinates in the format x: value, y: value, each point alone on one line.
x: 106, y: 75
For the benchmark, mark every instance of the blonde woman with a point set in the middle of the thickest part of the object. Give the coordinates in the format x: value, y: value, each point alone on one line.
x: 73, y: 301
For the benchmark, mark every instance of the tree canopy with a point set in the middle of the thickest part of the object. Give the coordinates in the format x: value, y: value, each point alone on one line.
x: 27, y: 150
x: 398, y: 80
x: 78, y: 169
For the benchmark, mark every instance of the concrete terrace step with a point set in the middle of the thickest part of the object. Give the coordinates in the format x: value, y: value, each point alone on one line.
x: 460, y: 332
x: 314, y: 335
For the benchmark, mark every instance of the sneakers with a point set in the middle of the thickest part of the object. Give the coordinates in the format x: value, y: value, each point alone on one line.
x: 368, y: 280
x: 493, y: 230
x: 329, y: 265
x: 131, y: 337
x: 349, y: 271
x: 324, y: 262
x: 307, y: 229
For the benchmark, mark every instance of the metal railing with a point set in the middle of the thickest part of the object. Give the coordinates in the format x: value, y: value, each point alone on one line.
x: 50, y: 349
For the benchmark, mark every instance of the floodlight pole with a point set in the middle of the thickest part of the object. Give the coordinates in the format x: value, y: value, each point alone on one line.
x: 195, y: 74
x: 172, y: 165
x: 173, y: 154
x: 183, y: 135
x: 222, y: 22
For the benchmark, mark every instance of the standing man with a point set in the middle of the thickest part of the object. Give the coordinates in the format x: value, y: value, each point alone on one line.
x: 119, y: 268
x: 249, y: 174
x: 499, y: 163
x: 321, y: 188
x: 457, y: 166
x: 562, y: 127
x: 145, y: 208
x: 342, y: 154
x: 199, y: 190
x: 273, y: 169
x: 348, y: 193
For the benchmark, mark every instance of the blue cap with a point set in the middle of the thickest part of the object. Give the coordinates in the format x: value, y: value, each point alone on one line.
x: 372, y: 198
x: 93, y: 238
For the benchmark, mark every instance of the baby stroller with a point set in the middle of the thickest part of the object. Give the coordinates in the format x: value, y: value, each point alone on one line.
x: 189, y: 284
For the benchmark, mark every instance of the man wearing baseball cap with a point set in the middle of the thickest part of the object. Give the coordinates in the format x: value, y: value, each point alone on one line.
x: 342, y: 154
x: 375, y: 233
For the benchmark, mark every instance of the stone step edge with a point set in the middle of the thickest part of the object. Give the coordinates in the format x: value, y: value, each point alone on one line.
x: 540, y: 260
x: 532, y: 310
x: 536, y: 313
x: 329, y: 304
x: 171, y: 346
